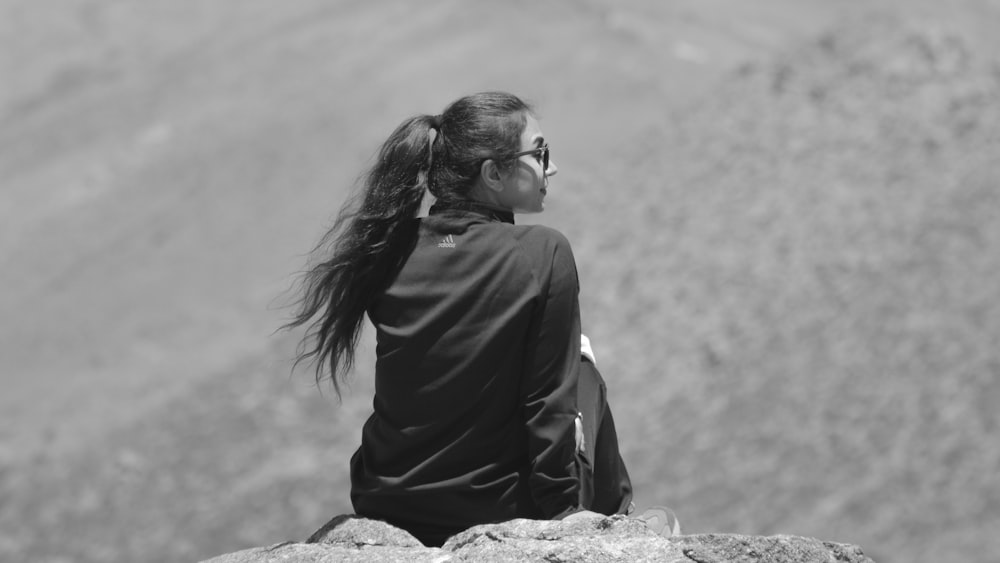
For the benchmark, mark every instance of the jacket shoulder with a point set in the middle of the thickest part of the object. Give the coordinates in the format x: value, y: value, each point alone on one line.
x: 542, y: 236
x: 547, y: 249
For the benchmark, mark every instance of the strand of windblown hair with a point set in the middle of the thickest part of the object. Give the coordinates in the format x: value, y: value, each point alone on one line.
x: 366, y: 249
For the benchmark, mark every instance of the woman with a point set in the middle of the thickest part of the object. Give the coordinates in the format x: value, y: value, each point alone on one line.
x: 485, y: 407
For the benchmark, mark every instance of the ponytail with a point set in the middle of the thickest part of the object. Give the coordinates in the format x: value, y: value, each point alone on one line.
x: 365, y: 249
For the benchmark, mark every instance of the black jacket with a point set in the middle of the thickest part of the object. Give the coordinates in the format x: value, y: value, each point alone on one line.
x: 475, y: 384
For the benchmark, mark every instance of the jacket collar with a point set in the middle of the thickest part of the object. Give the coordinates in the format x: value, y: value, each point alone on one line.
x: 490, y: 211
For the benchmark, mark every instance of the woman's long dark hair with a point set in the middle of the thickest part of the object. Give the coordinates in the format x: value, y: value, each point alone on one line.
x: 374, y: 233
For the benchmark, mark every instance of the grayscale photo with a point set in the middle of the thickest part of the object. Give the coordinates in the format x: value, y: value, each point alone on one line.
x: 685, y: 281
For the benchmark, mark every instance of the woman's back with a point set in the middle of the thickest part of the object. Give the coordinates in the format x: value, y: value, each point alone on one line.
x: 475, y: 380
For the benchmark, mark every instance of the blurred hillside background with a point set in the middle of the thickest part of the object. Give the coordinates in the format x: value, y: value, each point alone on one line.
x: 785, y: 213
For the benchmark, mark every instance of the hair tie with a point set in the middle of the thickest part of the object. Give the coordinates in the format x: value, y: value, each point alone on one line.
x: 432, y: 135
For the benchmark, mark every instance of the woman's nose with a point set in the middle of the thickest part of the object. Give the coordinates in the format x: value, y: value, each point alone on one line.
x: 552, y: 169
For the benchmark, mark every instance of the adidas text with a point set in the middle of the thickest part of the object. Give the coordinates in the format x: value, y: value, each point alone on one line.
x: 448, y: 242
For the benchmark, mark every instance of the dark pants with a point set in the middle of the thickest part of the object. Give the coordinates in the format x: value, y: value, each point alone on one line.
x: 604, y: 483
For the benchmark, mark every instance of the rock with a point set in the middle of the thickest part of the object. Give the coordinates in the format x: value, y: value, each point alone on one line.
x: 615, y: 538
x: 596, y: 539
x: 349, y: 530
x: 731, y: 548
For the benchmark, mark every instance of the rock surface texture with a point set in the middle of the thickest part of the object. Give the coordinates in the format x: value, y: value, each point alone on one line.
x: 596, y: 539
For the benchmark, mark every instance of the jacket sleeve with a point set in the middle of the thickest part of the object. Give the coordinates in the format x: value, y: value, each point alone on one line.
x: 549, y: 379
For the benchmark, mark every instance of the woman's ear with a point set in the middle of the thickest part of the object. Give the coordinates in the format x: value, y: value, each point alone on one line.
x: 491, y: 175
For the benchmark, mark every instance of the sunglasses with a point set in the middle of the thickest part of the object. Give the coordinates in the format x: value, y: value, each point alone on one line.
x: 541, y: 153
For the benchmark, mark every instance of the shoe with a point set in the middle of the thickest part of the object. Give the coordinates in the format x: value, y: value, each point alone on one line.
x: 661, y: 520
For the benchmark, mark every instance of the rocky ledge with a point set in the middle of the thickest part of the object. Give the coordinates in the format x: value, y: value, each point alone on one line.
x: 592, y: 539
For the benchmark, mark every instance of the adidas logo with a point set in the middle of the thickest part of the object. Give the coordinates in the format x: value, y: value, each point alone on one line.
x: 447, y: 242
